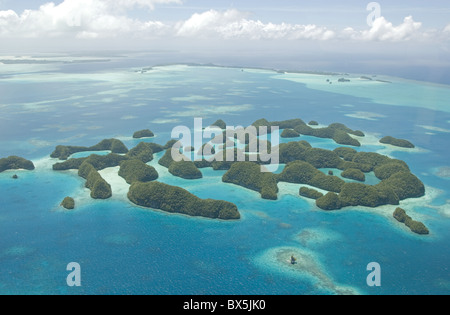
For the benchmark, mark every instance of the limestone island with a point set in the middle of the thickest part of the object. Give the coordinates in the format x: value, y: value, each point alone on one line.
x: 184, y: 169
x: 397, y: 142
x: 415, y: 226
x: 137, y: 171
x: 15, y: 163
x: 174, y: 199
x: 100, y: 189
x: 68, y: 203
x: 289, y: 133
x: 354, y: 174
x: 303, y: 165
x: 220, y: 123
x: 249, y: 175
x: 146, y: 133
x: 310, y: 193
x: 63, y: 152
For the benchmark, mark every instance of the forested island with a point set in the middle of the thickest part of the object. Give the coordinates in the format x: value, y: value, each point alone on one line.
x: 415, y: 226
x: 146, y: 133
x: 15, y: 163
x: 174, y: 199
x: 397, y: 142
x: 301, y: 164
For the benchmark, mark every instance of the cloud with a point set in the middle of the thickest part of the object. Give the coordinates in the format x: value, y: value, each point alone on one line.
x: 383, y: 30
x: 233, y: 24
x: 96, y: 19
x: 80, y: 19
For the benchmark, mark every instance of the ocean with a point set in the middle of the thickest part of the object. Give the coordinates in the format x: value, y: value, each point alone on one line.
x: 125, y: 249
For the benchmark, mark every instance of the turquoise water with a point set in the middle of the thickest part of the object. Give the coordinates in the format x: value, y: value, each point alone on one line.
x: 123, y: 249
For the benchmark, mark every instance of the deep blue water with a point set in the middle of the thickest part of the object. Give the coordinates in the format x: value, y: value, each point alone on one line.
x: 123, y: 249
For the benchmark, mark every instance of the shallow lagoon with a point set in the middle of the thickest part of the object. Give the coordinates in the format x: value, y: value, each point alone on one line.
x: 125, y: 249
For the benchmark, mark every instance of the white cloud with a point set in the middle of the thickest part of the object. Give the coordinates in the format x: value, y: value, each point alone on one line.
x: 383, y: 30
x: 233, y: 24
x: 79, y: 18
x: 447, y: 29
x: 96, y: 19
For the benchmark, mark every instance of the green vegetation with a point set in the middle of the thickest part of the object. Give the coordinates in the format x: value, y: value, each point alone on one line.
x: 68, y: 203
x: 300, y: 172
x: 173, y: 199
x: 415, y: 226
x: 405, y: 185
x: 185, y: 169
x: 100, y: 189
x: 143, y: 152
x: 143, y: 134
x: 387, y: 170
x: 310, y: 193
x: 321, y: 158
x: 249, y: 175
x: 338, y: 132
x: 289, y: 133
x: 302, y: 167
x: 313, y: 123
x: 136, y: 170
x: 156, y: 148
x: 167, y: 159
x: 206, y: 149
x: 288, y: 124
x: 357, y: 194
x: 397, y: 142
x: 169, y: 144
x: 84, y: 169
x: 329, y: 202
x: 15, y: 163
x: 99, y: 162
x: 292, y: 151
x: 346, y: 153
x: 115, y: 146
x: 354, y: 174
x: 219, y: 123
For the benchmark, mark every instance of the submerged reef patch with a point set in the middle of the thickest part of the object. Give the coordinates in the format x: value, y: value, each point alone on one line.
x: 306, y: 267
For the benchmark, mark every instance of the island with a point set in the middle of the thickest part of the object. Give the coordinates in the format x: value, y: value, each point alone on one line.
x: 136, y: 170
x: 338, y: 132
x: 207, y: 150
x: 100, y: 189
x: 220, y: 124
x: 68, y: 203
x: 63, y: 152
x: 397, y: 142
x: 289, y: 133
x: 310, y: 193
x: 415, y: 226
x: 249, y: 175
x: 146, y: 133
x: 185, y: 169
x: 15, y: 163
x: 143, y: 152
x: 354, y: 174
x: 174, y: 199
x: 302, y: 164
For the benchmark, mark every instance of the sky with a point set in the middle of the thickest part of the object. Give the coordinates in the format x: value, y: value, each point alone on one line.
x: 281, y: 32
